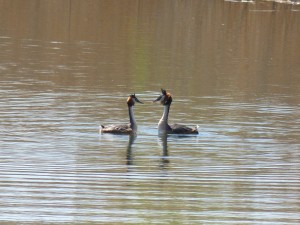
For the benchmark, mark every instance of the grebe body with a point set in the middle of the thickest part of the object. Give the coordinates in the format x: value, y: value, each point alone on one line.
x: 163, y: 126
x: 130, y: 128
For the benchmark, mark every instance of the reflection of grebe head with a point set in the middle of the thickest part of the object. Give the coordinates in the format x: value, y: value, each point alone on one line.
x: 132, y: 99
x: 165, y: 98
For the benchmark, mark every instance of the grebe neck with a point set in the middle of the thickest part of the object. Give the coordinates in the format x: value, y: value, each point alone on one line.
x: 163, y: 123
x: 133, y: 124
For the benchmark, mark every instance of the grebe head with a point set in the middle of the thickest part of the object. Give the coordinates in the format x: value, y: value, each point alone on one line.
x: 132, y: 99
x: 165, y: 98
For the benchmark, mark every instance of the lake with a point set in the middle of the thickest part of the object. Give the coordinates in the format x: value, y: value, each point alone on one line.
x: 232, y: 67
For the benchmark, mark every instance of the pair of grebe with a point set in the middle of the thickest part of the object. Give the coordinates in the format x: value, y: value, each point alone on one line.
x: 163, y: 126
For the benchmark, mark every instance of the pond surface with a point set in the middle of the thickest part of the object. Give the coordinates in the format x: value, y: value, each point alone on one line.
x: 233, y: 68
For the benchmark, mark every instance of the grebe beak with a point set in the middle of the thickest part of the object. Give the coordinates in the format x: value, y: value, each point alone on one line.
x: 158, y: 99
x: 136, y: 99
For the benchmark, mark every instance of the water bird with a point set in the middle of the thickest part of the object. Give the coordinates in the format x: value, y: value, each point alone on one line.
x: 130, y: 128
x: 163, y: 126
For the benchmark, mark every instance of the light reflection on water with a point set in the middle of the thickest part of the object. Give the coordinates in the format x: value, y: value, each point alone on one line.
x: 55, y: 167
x: 242, y: 168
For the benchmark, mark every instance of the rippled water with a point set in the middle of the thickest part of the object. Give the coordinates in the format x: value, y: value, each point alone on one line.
x: 242, y: 91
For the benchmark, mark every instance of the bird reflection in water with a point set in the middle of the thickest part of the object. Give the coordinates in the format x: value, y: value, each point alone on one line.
x: 131, y: 140
x: 163, y: 141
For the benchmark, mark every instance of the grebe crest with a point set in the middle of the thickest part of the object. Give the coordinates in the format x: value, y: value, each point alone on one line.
x: 132, y: 99
x: 165, y: 98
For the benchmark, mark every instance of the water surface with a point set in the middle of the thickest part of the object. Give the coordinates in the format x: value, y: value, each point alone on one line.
x: 232, y: 68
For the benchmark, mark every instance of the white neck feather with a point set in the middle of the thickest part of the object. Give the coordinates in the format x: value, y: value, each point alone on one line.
x: 163, y: 123
x: 131, y: 118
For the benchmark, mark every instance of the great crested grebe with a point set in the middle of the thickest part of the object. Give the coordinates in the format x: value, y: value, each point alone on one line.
x: 163, y: 126
x: 124, y: 128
